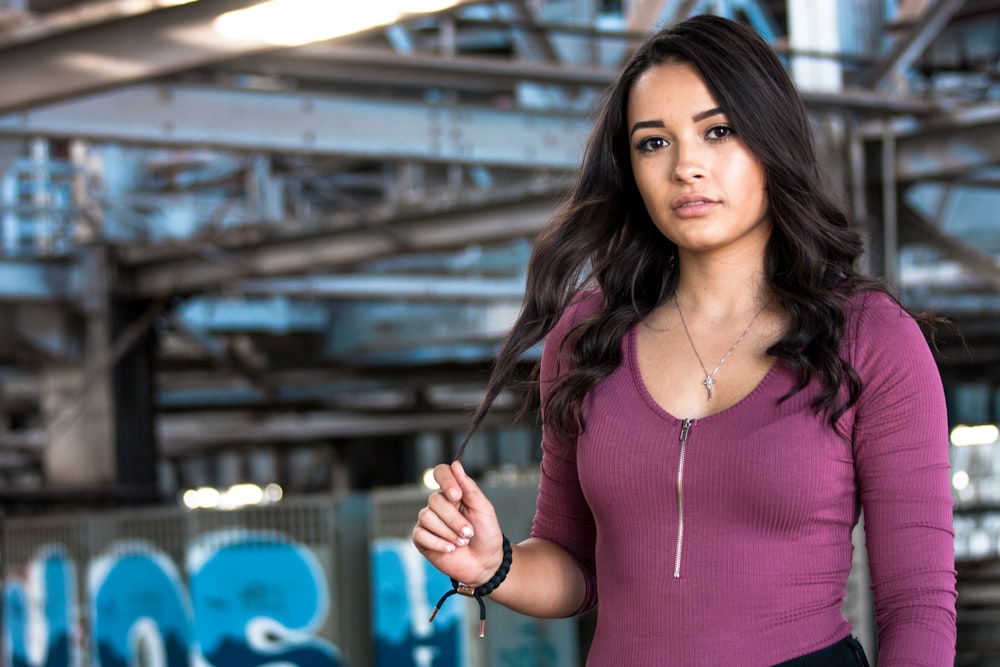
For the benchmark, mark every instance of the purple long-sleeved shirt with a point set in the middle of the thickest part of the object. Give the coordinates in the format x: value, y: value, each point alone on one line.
x: 748, y: 564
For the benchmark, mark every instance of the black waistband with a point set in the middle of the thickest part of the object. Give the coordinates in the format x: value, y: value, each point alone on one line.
x: 845, y: 653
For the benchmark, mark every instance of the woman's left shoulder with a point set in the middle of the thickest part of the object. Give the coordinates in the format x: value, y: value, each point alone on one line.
x: 880, y: 328
x: 876, y: 309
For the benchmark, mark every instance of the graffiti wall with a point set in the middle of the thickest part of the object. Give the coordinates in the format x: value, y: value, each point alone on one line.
x: 315, y: 583
x: 244, y: 598
x: 405, y: 588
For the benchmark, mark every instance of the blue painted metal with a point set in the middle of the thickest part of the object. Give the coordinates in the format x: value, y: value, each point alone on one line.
x: 39, y: 280
x: 274, y: 315
x: 37, y: 207
x: 393, y: 287
x: 312, y: 123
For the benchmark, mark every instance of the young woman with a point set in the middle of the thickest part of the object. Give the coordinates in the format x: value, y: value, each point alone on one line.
x: 722, y: 393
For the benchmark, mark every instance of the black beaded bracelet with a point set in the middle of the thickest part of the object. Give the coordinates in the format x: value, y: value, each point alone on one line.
x: 479, y: 592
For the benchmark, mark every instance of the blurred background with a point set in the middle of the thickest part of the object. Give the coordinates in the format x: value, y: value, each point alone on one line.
x: 256, y: 259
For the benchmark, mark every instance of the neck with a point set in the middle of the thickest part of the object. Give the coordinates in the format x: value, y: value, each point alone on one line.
x: 720, y: 289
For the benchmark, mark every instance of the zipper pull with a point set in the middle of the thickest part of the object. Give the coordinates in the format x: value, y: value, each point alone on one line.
x: 685, y: 427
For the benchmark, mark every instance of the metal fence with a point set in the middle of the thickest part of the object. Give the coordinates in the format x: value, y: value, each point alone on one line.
x: 312, y: 581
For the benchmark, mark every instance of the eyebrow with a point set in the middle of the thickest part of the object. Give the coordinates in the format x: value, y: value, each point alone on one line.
x: 697, y: 118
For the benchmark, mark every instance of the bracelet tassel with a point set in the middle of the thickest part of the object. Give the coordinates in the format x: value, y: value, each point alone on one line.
x: 480, y: 591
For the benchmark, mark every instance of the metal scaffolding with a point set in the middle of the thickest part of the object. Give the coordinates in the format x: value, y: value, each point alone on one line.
x: 279, y: 227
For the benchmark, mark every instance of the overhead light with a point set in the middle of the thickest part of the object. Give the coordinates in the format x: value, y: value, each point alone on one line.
x: 966, y: 436
x: 297, y: 22
x: 235, y: 497
x: 205, y: 497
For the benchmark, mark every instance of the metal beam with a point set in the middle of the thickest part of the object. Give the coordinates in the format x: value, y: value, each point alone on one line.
x: 331, y: 62
x: 185, y: 435
x: 27, y: 27
x: 113, y: 45
x: 284, y: 122
x: 312, y: 123
x: 908, y: 49
x: 116, y: 52
x: 530, y: 44
x: 871, y: 102
x: 980, y: 263
x: 347, y: 248
x: 410, y: 287
x: 945, y: 148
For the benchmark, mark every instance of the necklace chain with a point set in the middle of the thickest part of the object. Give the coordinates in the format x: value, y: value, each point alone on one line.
x: 710, y: 380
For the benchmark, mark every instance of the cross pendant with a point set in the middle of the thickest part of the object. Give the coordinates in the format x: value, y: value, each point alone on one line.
x: 709, y: 382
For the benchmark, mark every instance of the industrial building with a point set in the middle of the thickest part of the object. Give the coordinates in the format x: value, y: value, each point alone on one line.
x: 256, y: 259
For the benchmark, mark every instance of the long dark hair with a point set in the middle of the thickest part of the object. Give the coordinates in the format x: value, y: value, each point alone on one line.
x: 602, y: 235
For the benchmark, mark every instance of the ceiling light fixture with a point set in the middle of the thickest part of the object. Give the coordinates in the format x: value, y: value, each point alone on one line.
x: 297, y: 22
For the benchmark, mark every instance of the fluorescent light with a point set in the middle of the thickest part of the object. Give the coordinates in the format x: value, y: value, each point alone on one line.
x: 203, y: 498
x: 240, y: 495
x: 966, y: 436
x: 297, y: 22
x: 235, y: 497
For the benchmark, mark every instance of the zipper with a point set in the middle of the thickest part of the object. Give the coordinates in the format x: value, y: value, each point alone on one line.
x: 685, y: 427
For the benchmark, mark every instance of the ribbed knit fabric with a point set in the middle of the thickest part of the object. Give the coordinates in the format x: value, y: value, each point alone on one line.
x: 770, y: 497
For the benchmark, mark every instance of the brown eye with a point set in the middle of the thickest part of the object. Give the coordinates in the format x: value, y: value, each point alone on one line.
x: 652, y: 144
x: 720, y: 133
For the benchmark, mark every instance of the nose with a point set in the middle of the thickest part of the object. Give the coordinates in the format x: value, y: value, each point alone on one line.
x: 690, y: 166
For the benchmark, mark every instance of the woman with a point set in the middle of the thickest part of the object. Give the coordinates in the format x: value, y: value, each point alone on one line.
x: 721, y: 396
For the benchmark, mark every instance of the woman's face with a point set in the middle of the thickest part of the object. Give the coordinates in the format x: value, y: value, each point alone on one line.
x: 702, y: 186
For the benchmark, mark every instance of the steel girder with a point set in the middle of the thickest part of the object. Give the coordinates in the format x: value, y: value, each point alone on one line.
x: 113, y: 52
x: 345, y: 248
x: 312, y: 123
x: 886, y: 72
x: 943, y: 148
x: 930, y: 150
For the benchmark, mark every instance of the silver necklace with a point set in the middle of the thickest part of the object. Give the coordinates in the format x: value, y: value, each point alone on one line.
x: 710, y: 380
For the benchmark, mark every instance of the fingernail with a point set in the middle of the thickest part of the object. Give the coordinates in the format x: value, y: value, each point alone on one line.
x: 450, y: 548
x: 462, y: 542
x: 467, y: 532
x: 454, y: 494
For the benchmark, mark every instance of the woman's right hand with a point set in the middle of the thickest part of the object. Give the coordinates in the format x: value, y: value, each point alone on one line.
x: 458, y: 530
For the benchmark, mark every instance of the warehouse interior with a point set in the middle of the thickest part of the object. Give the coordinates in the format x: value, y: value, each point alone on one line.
x: 233, y: 256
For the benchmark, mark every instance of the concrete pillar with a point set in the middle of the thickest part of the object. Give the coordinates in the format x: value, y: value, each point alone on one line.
x: 79, y: 426
x: 99, y: 413
x: 78, y: 398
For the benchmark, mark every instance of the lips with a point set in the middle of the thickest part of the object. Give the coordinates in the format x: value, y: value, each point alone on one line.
x: 691, y: 201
